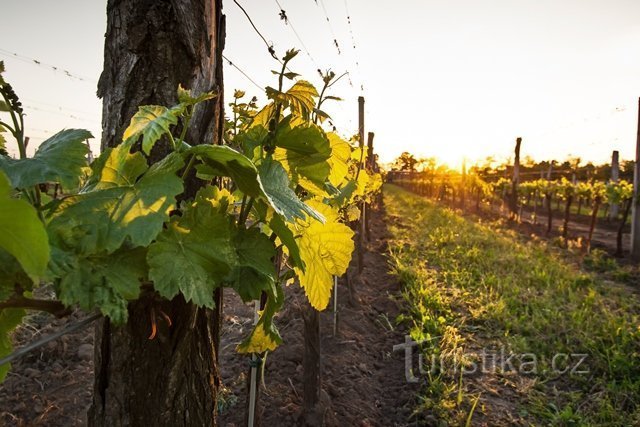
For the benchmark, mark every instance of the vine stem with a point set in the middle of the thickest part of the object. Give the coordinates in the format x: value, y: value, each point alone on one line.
x: 54, y: 307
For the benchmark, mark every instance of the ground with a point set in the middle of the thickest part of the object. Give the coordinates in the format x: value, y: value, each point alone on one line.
x: 363, y: 379
x: 459, y: 283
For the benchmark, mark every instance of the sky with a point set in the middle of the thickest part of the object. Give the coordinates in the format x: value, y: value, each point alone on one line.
x: 454, y: 79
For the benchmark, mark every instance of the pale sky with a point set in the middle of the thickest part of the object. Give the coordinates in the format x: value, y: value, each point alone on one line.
x: 444, y: 78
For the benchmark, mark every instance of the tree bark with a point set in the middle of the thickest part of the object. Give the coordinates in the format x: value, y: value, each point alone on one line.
x: 152, y: 46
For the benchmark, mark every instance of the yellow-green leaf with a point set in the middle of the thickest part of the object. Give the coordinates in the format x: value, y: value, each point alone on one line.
x: 326, y: 251
x: 339, y: 160
x: 22, y: 234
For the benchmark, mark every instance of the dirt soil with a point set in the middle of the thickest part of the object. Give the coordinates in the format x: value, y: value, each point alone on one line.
x: 363, y: 379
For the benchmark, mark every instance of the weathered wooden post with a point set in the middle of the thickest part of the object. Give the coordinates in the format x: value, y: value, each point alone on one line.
x: 614, y: 210
x: 635, y: 216
x: 515, y: 180
x: 366, y: 207
x: 359, y: 234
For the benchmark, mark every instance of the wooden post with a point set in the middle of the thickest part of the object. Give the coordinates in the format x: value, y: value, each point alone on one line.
x: 366, y: 206
x: 615, y: 176
x: 635, y: 215
x: 463, y: 183
x: 360, y: 234
x: 370, y: 157
x: 516, y: 179
x: 311, y: 374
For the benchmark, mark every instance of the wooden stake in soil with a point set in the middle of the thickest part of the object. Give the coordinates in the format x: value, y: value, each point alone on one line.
x: 311, y: 364
x: 516, y: 179
x: 359, y: 234
x: 253, y: 384
x: 615, y: 176
x: 635, y: 213
x: 335, y: 306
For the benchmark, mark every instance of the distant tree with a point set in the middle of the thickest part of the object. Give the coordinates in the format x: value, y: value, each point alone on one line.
x: 406, y: 162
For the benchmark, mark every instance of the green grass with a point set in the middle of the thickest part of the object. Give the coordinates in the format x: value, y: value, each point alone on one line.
x: 469, y: 285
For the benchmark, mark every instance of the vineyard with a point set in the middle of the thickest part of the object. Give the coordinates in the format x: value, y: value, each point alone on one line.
x: 245, y: 258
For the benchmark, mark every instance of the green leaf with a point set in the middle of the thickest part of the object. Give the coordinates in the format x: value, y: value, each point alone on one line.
x: 304, y: 151
x: 117, y: 167
x: 280, y: 195
x: 251, y: 139
x: 22, y: 234
x: 185, y: 97
x: 290, y: 54
x: 346, y: 193
x: 291, y: 75
x: 11, y: 274
x: 225, y: 161
x: 152, y: 122
x: 104, y: 281
x: 288, y: 240
x: 265, y: 336
x: 60, y: 158
x: 10, y: 318
x: 255, y: 271
x: 134, y: 208
x: 300, y: 99
x: 192, y: 255
x: 326, y: 251
x: 334, y: 98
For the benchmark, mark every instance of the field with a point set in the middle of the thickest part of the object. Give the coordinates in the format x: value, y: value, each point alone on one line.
x: 473, y: 286
x: 511, y: 330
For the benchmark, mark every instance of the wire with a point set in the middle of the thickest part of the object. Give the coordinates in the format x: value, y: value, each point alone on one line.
x: 37, y: 62
x: 270, y: 47
x: 30, y: 347
x: 333, y: 34
x: 243, y: 73
x: 353, y: 41
x: 287, y: 20
x: 57, y: 107
x: 61, y: 113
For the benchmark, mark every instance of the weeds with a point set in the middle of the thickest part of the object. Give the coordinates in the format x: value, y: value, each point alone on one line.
x: 468, y: 285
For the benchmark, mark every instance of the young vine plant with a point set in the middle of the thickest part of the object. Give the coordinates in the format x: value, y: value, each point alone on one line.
x: 271, y: 209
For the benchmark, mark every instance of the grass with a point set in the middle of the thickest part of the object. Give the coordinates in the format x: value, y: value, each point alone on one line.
x: 470, y: 286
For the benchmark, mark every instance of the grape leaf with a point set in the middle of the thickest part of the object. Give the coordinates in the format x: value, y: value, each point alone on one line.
x: 10, y: 318
x: 304, y: 151
x: 326, y: 251
x: 255, y: 271
x: 225, y: 161
x: 11, y: 274
x: 104, y: 281
x: 300, y: 98
x: 60, y: 158
x: 263, y: 117
x: 339, y: 160
x: 152, y: 122
x: 252, y: 138
x: 287, y: 238
x: 22, y: 234
x: 102, y: 219
x: 265, y: 336
x: 280, y: 196
x: 192, y: 255
x: 185, y: 97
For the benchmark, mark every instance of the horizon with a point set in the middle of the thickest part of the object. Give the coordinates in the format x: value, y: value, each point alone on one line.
x: 453, y: 80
